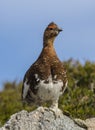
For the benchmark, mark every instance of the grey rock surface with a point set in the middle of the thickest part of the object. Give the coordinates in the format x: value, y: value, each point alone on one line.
x: 88, y: 123
x: 40, y: 119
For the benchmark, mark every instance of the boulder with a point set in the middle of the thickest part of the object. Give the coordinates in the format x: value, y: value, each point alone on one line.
x: 40, y: 119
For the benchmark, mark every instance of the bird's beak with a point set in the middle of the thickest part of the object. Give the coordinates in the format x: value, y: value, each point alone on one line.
x: 60, y: 30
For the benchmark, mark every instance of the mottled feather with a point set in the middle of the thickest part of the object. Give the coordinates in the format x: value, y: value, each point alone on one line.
x: 46, y: 79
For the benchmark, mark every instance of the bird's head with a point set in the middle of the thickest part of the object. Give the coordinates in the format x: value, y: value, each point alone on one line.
x: 51, y: 31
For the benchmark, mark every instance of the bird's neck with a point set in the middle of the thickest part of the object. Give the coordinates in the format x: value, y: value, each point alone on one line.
x: 48, y: 47
x: 48, y: 42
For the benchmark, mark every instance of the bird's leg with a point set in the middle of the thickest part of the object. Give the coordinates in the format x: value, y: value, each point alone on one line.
x: 54, y: 108
x: 54, y: 104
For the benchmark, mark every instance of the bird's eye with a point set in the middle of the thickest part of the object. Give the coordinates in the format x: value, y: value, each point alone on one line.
x: 50, y: 28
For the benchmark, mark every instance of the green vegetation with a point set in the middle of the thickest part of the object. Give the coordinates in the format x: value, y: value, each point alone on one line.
x: 78, y: 100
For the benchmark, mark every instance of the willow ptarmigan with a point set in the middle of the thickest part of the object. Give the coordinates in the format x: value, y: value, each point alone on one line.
x: 46, y: 79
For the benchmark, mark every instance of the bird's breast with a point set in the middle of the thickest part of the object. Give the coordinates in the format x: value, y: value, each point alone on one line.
x: 49, y: 89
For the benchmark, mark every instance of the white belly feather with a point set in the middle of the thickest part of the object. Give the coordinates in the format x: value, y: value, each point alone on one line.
x: 50, y: 90
x: 45, y: 91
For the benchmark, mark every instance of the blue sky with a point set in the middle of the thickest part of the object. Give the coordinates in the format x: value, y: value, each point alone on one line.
x: 22, y: 23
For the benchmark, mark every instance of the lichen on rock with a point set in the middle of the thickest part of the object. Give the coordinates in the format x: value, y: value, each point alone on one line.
x: 40, y: 119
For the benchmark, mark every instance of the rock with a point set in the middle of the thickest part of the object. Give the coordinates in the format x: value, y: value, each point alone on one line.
x: 89, y: 124
x: 40, y: 119
x: 81, y: 123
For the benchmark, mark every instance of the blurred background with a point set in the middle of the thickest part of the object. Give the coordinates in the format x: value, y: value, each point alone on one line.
x: 22, y: 24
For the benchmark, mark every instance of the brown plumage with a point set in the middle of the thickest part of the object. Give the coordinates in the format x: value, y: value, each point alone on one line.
x: 46, y: 79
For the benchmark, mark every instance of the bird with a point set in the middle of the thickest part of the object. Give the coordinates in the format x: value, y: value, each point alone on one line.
x: 46, y: 79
